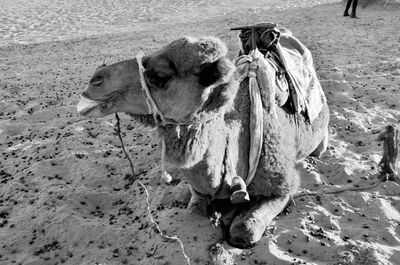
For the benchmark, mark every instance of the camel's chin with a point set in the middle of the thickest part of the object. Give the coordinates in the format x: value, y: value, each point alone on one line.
x: 90, y: 108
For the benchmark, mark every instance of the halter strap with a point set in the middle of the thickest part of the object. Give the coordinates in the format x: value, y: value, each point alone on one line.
x: 256, y: 121
x: 159, y: 116
x: 151, y: 104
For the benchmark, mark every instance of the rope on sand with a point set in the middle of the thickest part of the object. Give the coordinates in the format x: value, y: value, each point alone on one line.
x: 386, y: 168
x: 174, y: 237
x: 340, y: 190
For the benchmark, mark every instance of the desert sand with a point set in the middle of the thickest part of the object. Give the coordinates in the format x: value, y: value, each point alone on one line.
x: 64, y: 193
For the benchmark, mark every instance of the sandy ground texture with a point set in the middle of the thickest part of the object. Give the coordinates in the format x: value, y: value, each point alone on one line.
x: 35, y: 21
x: 64, y: 196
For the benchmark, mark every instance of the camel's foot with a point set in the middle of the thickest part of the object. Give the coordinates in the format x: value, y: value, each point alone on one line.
x: 353, y: 15
x: 198, y: 203
x: 248, y: 228
x: 321, y: 148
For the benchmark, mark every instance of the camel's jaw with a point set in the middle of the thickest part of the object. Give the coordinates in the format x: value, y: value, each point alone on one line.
x: 97, y: 109
x: 113, y: 88
x: 90, y: 108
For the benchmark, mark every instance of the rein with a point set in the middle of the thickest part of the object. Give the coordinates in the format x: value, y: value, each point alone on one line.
x: 149, y: 211
x: 158, y: 116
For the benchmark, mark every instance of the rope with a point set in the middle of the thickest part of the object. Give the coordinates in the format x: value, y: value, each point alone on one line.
x: 256, y: 119
x: 151, y: 104
x: 157, y: 115
x: 337, y: 191
x: 174, y: 237
x: 164, y: 174
x: 247, y: 66
x: 118, y: 131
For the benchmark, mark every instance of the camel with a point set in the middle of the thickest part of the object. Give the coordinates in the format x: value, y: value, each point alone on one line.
x: 205, y: 126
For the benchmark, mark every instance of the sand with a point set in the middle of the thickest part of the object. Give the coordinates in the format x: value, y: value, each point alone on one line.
x: 36, y: 21
x: 64, y: 196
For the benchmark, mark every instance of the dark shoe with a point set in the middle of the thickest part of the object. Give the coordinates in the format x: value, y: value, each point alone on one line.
x: 346, y: 14
x: 353, y: 15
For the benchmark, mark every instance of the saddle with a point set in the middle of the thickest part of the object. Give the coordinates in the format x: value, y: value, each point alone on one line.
x: 264, y: 45
x: 299, y: 88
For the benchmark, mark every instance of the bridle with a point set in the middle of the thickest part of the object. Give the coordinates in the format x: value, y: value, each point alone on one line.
x: 159, y: 117
x: 151, y: 104
x: 161, y: 120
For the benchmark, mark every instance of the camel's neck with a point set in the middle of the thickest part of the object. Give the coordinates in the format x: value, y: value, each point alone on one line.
x: 187, y: 144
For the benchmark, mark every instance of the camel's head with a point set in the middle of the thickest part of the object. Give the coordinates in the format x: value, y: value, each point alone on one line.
x: 188, y: 79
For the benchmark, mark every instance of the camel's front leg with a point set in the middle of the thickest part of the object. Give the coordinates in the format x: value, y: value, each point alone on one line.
x: 248, y: 228
x: 198, y: 203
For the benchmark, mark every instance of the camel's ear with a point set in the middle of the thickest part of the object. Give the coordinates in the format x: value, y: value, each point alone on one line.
x: 216, y: 72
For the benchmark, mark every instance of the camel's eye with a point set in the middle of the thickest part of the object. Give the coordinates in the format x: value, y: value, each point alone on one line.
x: 96, y: 80
x: 156, y: 79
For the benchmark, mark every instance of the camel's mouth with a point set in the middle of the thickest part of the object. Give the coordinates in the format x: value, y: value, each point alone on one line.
x: 96, y: 109
x: 89, y: 107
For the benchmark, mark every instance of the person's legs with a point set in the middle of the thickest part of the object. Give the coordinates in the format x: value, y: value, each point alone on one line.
x: 346, y: 11
x: 353, y: 10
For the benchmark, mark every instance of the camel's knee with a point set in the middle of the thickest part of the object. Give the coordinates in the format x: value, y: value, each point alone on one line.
x: 248, y: 228
x: 244, y: 233
x: 198, y: 203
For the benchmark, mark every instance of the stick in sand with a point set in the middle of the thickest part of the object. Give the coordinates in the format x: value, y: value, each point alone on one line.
x: 391, y: 143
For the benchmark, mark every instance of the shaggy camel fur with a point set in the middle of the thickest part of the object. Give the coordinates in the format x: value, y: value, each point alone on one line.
x: 193, y: 83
